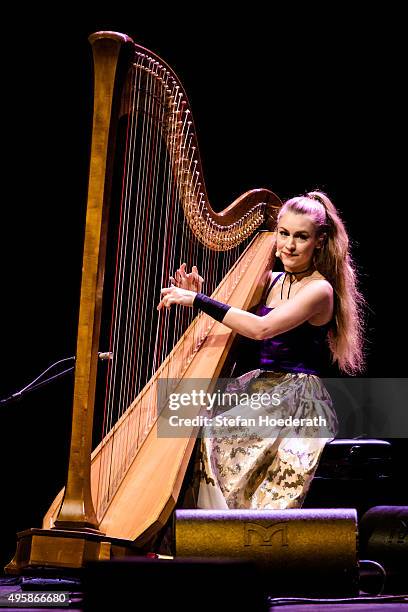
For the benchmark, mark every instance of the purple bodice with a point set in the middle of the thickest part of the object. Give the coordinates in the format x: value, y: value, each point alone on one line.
x: 301, y: 349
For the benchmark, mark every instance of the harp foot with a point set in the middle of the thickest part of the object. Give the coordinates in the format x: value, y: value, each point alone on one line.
x: 54, y: 549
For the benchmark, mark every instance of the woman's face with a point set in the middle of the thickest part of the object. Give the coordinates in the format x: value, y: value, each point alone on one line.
x: 297, y: 241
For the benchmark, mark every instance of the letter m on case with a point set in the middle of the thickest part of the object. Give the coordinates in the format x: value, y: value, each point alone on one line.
x: 259, y: 535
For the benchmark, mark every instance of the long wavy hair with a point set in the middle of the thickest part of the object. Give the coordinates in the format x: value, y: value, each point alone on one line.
x: 335, y: 263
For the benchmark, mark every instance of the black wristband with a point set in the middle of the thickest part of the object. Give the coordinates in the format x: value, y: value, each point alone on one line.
x: 216, y: 310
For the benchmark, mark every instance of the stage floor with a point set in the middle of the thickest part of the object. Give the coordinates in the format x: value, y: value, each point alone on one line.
x: 17, y: 586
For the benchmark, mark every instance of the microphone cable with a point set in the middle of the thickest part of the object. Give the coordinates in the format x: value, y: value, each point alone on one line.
x: 34, y: 384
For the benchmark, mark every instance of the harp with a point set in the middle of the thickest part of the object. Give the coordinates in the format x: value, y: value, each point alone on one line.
x: 147, y: 204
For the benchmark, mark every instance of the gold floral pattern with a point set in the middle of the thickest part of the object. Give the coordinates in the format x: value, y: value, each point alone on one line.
x: 267, y: 469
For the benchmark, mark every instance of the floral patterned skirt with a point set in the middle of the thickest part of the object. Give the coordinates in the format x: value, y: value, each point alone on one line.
x: 266, y: 467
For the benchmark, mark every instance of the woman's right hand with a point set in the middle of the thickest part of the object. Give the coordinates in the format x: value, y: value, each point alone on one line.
x: 187, y: 280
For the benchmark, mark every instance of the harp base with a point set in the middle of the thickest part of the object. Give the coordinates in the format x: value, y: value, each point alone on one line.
x: 53, y: 549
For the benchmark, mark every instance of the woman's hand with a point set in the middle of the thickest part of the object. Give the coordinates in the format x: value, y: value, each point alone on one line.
x: 175, y: 295
x: 191, y: 280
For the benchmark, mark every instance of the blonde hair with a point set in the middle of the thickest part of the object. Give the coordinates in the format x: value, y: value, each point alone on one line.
x: 335, y: 263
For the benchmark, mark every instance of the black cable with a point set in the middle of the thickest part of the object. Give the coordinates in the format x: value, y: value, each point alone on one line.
x: 281, y: 601
x: 31, y: 386
x: 47, y: 370
x: 47, y: 380
x: 373, y: 577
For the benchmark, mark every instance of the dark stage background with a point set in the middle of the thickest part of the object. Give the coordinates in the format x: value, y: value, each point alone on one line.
x: 282, y: 105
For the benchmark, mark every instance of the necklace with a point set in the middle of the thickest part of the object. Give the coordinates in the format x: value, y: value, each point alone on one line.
x: 291, y: 280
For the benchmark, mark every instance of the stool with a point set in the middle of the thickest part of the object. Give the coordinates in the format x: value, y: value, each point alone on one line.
x: 352, y: 473
x: 347, y: 459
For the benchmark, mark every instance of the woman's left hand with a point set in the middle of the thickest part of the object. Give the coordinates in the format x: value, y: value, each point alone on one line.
x: 175, y: 295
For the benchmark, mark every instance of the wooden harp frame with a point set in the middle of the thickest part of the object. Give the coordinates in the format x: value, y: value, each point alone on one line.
x: 71, y: 533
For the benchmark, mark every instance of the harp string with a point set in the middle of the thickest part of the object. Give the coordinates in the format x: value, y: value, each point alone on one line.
x: 140, y: 276
x: 156, y: 271
x: 135, y: 278
x: 147, y: 307
x: 139, y: 266
x: 183, y: 316
x: 150, y: 409
x: 141, y: 305
x: 189, y: 245
x: 111, y: 388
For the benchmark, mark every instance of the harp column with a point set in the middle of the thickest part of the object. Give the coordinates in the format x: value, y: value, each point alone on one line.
x: 75, y: 537
x: 77, y: 510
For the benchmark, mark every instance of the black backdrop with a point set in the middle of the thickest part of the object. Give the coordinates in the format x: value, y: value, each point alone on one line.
x: 283, y: 104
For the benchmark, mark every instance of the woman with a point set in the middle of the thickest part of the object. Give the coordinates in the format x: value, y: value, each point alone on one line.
x: 312, y: 310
